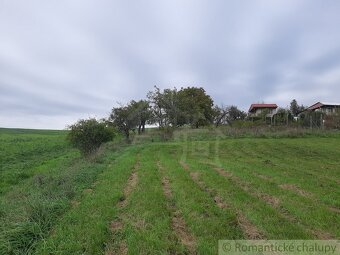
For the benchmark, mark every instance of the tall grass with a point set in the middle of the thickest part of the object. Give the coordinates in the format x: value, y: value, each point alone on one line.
x: 212, y: 133
x: 55, y: 175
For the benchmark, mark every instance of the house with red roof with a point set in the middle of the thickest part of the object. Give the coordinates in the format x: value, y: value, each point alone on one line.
x: 257, y: 110
x: 326, y: 108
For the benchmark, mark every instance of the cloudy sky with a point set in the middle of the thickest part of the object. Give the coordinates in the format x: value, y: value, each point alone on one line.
x: 61, y: 60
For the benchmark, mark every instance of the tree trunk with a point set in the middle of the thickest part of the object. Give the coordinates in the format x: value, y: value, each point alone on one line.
x: 143, y: 126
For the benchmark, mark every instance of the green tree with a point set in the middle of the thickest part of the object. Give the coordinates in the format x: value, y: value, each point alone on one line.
x: 196, y: 107
x: 88, y: 134
x: 236, y: 114
x: 174, y: 108
x: 165, y: 106
x: 143, y: 113
x: 157, y: 106
x: 226, y: 115
x: 294, y: 107
x: 220, y: 115
x: 125, y: 118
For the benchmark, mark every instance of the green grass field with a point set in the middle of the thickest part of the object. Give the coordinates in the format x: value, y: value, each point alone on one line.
x: 176, y: 197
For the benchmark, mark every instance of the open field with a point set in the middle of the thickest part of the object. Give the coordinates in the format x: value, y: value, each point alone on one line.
x: 177, y: 197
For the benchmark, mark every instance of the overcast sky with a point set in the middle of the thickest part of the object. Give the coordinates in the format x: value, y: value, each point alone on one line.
x: 65, y: 60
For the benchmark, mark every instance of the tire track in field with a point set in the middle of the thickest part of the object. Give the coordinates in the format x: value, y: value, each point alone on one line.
x: 249, y: 229
x: 177, y: 222
x: 270, y: 200
x: 286, y: 186
x: 117, y: 225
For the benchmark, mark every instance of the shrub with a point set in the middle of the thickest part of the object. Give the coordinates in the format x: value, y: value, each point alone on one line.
x: 88, y: 135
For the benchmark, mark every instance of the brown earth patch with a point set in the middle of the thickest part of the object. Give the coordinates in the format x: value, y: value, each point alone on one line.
x: 121, y: 250
x: 223, y: 172
x: 220, y: 203
x: 194, y: 176
x: 166, y: 187
x: 179, y: 226
x: 263, y: 177
x: 140, y: 224
x: 116, y: 225
x: 74, y: 203
x: 88, y: 190
x: 132, y: 182
x: 184, y: 165
x: 248, y: 228
x: 293, y: 187
x: 334, y: 209
x: 322, y: 235
x: 271, y: 200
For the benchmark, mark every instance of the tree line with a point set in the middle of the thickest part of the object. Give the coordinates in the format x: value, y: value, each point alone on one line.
x: 167, y: 109
x: 190, y: 106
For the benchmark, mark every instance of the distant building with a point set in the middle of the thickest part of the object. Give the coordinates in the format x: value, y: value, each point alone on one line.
x: 327, y: 108
x: 256, y: 110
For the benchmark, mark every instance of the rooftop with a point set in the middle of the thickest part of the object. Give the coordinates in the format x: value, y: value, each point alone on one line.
x: 256, y: 106
x: 320, y: 104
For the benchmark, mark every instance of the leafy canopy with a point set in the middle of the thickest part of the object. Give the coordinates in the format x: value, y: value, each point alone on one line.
x: 88, y: 134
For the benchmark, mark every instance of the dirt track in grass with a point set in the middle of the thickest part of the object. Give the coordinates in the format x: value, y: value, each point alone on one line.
x: 177, y: 222
x: 250, y: 230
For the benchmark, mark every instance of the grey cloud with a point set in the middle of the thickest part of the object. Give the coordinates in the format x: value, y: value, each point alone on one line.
x: 63, y: 60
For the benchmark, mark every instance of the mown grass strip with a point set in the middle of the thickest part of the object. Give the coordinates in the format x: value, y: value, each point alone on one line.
x: 117, y: 225
x: 266, y: 218
x: 146, y: 220
x: 293, y: 200
x: 177, y: 222
x: 84, y: 229
x: 205, y: 220
x: 290, y: 161
x: 250, y: 231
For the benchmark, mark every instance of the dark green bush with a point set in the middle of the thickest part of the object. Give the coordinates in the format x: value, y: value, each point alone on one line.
x: 88, y: 135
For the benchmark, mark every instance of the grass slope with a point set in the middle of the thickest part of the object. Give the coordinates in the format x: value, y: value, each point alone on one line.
x: 167, y: 198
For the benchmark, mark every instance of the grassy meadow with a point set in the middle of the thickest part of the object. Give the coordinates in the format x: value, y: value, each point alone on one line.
x: 174, y: 197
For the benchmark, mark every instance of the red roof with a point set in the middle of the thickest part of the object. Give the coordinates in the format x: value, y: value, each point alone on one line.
x: 256, y: 106
x: 315, y: 106
x: 319, y: 105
